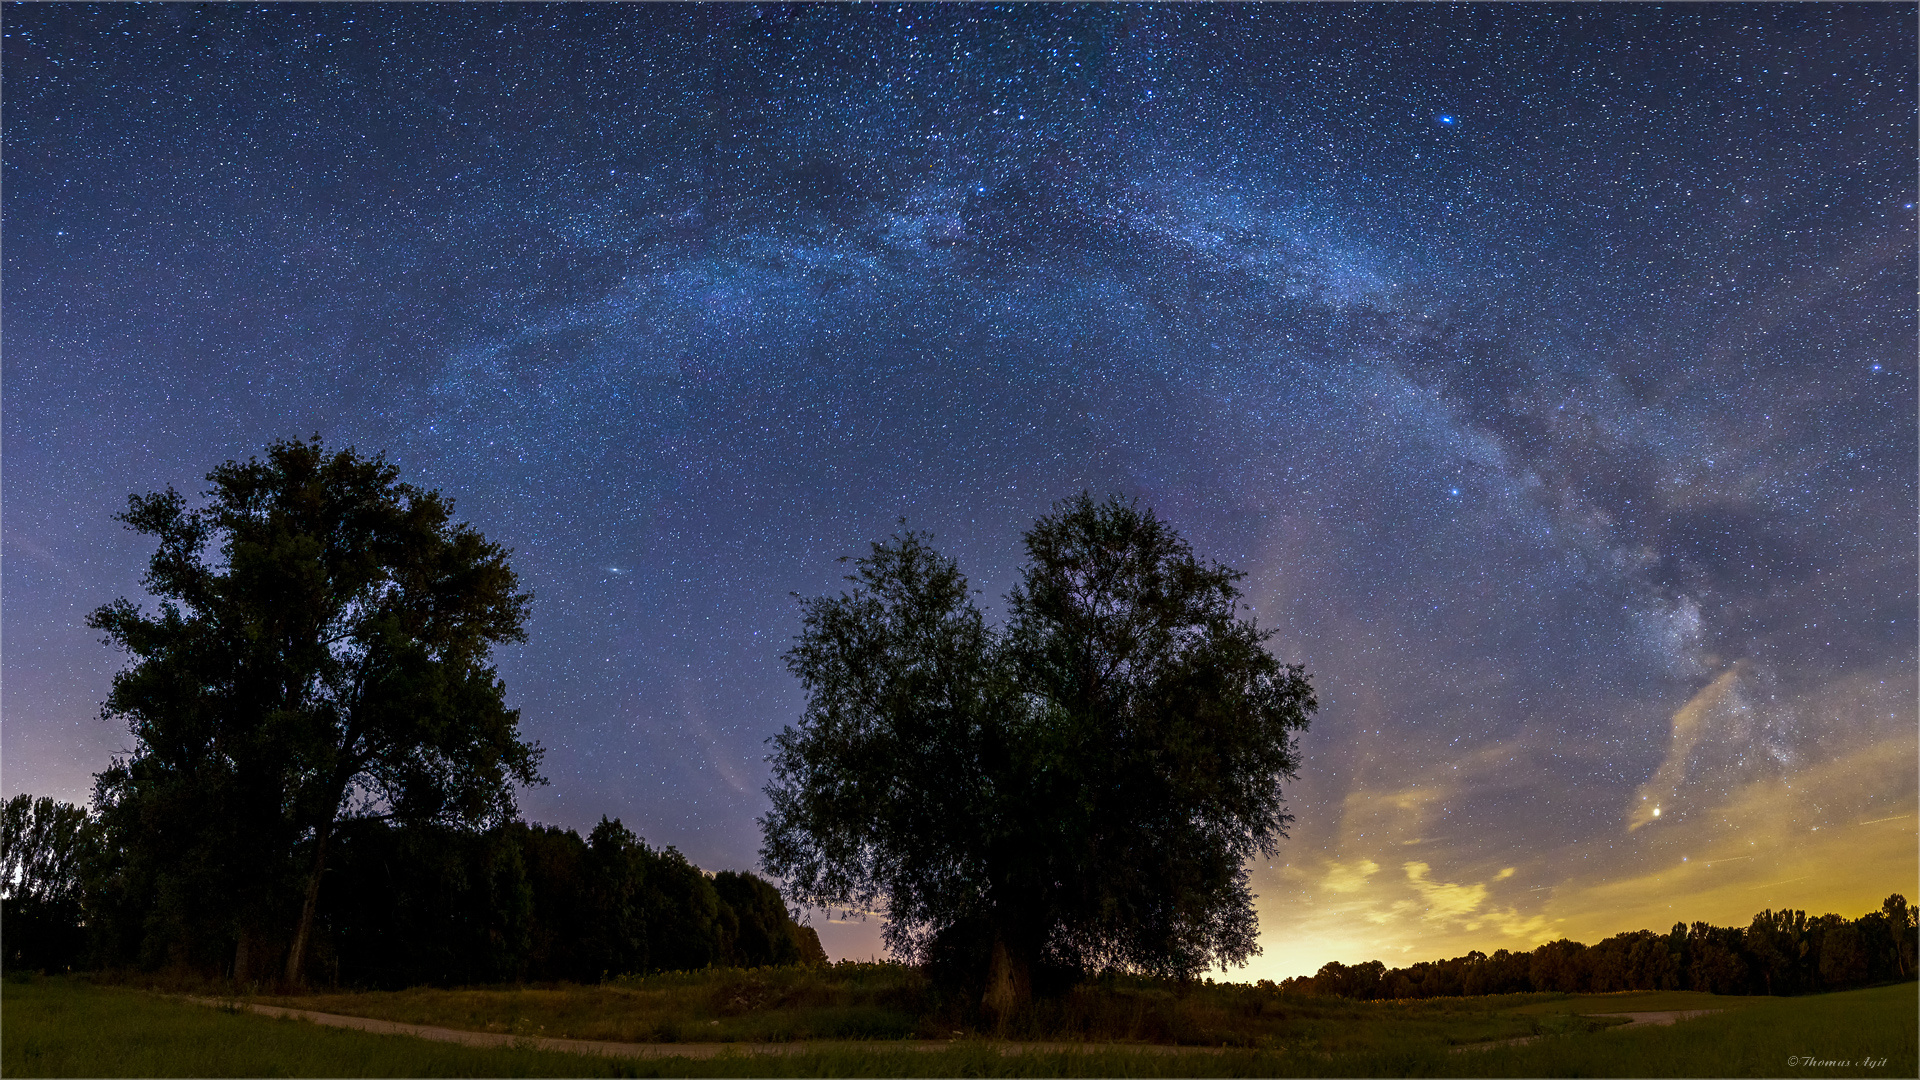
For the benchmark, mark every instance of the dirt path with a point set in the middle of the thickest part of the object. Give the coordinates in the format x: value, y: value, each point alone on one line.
x: 1634, y: 1019
x: 682, y: 1049
x: 1656, y: 1019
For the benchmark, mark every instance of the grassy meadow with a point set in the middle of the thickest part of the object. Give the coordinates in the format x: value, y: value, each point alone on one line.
x: 893, y: 1002
x: 852, y: 1019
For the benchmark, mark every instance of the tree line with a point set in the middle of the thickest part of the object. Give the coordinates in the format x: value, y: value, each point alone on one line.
x: 1780, y: 952
x: 401, y: 905
x: 324, y: 767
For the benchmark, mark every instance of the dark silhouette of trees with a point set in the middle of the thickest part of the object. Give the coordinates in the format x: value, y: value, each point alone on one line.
x: 48, y: 850
x: 1778, y: 943
x: 1079, y: 791
x: 1716, y: 960
x: 760, y: 932
x: 1780, y: 952
x: 406, y: 905
x: 321, y: 653
x: 427, y: 903
x: 1362, y: 981
x: 1899, y: 932
x: 1843, y: 954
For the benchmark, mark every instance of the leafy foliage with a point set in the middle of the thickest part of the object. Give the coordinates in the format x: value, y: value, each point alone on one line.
x: 322, y: 648
x: 1078, y: 791
x: 1781, y: 952
x: 48, y: 852
x: 1163, y: 725
x: 44, y: 848
x: 431, y: 904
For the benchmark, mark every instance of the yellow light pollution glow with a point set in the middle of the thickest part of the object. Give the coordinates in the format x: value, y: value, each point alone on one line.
x: 1833, y: 829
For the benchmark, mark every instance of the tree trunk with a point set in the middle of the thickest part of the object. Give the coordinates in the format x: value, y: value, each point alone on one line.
x: 1009, y: 982
x: 296, y: 957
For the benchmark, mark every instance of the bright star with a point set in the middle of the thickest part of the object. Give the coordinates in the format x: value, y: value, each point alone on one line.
x: 1445, y: 120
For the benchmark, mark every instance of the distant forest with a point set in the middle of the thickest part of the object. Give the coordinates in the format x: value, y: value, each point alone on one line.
x: 1780, y: 952
x: 408, y: 906
x: 436, y: 905
x: 321, y: 783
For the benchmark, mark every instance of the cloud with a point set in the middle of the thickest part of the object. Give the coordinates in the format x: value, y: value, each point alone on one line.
x: 1720, y: 698
x: 1525, y: 931
x: 1349, y: 877
x: 1803, y: 796
x: 1444, y: 900
x: 1350, y: 912
x: 1835, y: 831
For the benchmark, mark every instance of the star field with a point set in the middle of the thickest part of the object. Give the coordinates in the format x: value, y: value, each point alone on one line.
x: 1549, y: 369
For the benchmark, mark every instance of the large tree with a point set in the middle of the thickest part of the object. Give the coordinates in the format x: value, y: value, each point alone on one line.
x: 322, y: 650
x: 1078, y: 790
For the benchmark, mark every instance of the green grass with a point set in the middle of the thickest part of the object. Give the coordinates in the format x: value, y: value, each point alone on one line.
x: 846, y: 1001
x: 1637, y: 1001
x: 887, y: 1001
x: 1754, y: 1037
x: 66, y: 1027
x: 70, y: 1027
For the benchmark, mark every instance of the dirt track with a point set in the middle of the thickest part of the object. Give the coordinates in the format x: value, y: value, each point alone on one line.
x: 715, y: 1049
x: 1634, y: 1019
x: 657, y: 1050
x: 1656, y: 1019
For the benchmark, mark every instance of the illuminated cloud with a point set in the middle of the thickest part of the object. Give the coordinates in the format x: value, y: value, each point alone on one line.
x: 1720, y: 701
x: 1809, y: 802
x: 1349, y: 878
x: 1444, y: 900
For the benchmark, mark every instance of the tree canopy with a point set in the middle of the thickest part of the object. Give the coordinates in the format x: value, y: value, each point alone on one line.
x: 322, y: 650
x: 411, y: 904
x: 1078, y: 790
x: 48, y: 855
x: 1780, y: 952
x: 44, y: 846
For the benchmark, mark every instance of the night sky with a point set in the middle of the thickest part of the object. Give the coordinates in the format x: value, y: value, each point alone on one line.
x: 1550, y: 370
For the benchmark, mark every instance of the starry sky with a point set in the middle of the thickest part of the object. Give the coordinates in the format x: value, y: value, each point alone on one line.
x: 1548, y: 369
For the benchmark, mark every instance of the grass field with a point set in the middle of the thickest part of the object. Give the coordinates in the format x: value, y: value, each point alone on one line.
x: 70, y: 1027
x: 887, y: 1001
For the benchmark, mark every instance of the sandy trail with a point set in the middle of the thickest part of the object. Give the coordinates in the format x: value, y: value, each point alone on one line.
x: 1657, y: 1019
x: 1634, y: 1019
x: 658, y: 1050
x: 715, y: 1049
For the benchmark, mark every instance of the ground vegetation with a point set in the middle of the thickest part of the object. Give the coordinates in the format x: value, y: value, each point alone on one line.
x: 68, y: 1027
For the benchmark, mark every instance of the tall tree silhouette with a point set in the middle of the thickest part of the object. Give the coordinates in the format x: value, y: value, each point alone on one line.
x: 1078, y: 791
x: 322, y: 649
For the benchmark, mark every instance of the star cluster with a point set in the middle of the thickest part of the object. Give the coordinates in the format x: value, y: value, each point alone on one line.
x: 1549, y: 370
